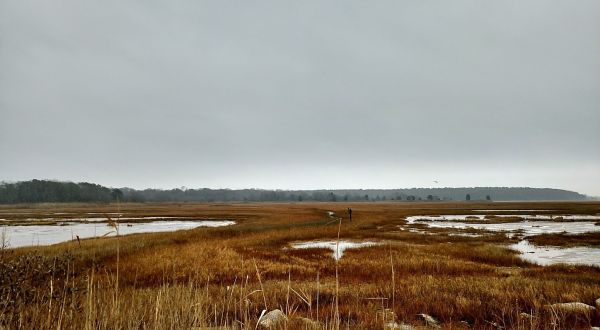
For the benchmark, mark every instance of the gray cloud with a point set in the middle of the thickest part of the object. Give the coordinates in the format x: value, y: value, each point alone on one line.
x: 301, y: 95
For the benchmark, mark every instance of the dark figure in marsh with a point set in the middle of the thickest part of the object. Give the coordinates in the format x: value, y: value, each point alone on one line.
x: 350, y: 214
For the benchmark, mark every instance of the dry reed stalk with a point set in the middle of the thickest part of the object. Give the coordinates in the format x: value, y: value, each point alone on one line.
x: 318, y: 293
x: 115, y: 225
x: 226, y: 308
x: 260, y: 317
x: 262, y: 290
x: 157, y: 308
x: 337, y: 282
x: 287, y: 296
x: 64, y: 300
x: 393, y: 279
x: 89, y: 312
x: 51, y: 293
x: 4, y: 243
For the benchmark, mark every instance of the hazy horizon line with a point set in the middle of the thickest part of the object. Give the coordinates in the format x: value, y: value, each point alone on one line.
x: 184, y: 187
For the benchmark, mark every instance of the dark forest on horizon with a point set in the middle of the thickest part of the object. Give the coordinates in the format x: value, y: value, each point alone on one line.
x: 46, y: 191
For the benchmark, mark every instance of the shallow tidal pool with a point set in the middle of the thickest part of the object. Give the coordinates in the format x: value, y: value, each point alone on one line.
x: 530, y: 225
x: 338, y: 250
x: 34, y: 235
x: 550, y: 255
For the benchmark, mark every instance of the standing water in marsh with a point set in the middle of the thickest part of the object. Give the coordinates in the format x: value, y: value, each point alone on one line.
x: 549, y: 255
x: 528, y: 225
x: 34, y: 235
x: 338, y: 251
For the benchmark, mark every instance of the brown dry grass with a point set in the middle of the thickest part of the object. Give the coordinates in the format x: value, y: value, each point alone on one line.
x: 207, y: 276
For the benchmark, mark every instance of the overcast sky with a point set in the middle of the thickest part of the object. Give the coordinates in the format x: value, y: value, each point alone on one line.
x: 301, y: 94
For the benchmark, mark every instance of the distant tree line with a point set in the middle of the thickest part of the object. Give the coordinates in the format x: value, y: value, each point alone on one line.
x: 42, y: 191
x: 38, y: 191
